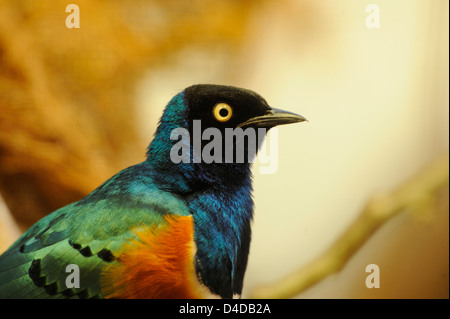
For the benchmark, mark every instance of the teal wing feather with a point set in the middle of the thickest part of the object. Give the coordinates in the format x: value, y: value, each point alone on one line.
x: 86, y: 233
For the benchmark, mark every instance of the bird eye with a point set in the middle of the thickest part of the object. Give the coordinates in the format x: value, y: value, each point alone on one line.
x: 222, y: 112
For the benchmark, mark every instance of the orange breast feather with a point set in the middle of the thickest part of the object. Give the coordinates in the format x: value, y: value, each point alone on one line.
x: 158, y: 264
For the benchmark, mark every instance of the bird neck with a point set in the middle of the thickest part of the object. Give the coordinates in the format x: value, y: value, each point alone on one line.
x: 220, y: 200
x: 222, y: 217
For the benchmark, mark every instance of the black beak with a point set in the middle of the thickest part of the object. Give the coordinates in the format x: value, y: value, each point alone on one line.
x: 273, y: 118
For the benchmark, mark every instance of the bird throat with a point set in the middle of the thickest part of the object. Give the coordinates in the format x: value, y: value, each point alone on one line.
x: 222, y: 217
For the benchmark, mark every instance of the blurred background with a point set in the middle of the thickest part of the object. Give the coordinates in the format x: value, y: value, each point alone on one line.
x: 78, y: 105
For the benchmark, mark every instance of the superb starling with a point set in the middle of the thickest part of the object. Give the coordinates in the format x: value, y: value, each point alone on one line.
x: 174, y: 226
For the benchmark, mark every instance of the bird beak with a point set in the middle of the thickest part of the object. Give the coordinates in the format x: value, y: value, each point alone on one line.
x: 273, y: 118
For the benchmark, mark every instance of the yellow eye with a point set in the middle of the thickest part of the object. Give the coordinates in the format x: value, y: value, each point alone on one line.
x: 222, y: 112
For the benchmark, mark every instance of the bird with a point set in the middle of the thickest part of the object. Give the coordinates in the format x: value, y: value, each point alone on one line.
x: 163, y: 228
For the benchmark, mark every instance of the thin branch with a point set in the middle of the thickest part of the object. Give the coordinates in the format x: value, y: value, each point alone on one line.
x: 416, y: 194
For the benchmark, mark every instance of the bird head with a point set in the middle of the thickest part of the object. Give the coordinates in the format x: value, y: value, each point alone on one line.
x: 231, y: 107
x: 204, y: 124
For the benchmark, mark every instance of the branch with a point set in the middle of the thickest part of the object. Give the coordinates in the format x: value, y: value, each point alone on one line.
x: 416, y: 194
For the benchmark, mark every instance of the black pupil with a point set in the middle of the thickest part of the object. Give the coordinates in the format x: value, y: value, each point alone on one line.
x: 223, y: 112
